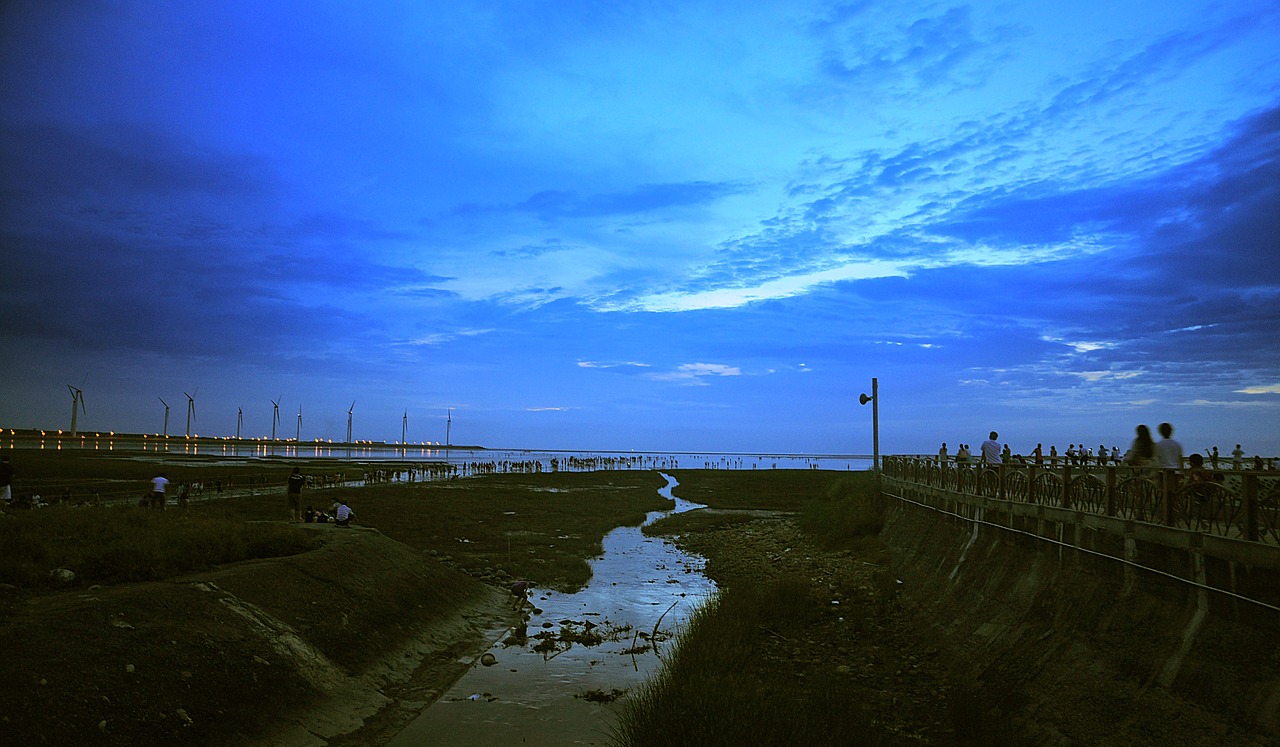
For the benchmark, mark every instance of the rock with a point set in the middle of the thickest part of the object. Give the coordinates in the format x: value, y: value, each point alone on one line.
x: 129, y: 668
x: 488, y: 659
x: 62, y: 576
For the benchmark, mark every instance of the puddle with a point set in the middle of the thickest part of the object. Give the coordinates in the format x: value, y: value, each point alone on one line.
x: 554, y: 685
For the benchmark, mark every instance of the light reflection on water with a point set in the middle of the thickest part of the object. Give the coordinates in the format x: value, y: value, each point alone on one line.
x: 262, y: 448
x: 527, y: 697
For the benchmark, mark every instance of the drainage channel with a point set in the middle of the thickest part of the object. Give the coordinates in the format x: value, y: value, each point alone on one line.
x: 557, y: 679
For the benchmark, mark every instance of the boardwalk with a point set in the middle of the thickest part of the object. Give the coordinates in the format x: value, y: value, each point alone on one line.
x: 1235, y: 504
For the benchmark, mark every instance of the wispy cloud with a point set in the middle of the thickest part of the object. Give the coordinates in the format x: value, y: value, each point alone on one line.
x: 696, y: 373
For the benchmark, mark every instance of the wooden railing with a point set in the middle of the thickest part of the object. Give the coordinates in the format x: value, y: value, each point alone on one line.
x: 1240, y: 504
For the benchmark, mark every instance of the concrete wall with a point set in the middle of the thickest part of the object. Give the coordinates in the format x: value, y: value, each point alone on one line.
x: 1085, y: 629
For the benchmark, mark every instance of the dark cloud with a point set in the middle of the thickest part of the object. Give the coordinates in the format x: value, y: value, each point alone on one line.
x: 186, y: 250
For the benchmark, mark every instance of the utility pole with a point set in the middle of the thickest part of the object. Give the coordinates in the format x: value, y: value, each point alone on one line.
x: 874, y: 399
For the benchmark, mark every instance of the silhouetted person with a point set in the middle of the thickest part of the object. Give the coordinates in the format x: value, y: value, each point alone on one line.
x: 6, y: 480
x: 1143, y: 450
x: 296, y: 481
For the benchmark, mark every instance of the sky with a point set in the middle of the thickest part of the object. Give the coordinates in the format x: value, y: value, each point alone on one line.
x: 660, y: 226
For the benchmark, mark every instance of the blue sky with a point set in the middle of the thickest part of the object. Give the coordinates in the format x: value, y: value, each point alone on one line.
x: 651, y: 226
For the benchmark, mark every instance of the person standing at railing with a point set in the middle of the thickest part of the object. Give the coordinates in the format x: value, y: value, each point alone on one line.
x: 991, y: 451
x: 942, y: 454
x: 1168, y: 453
x: 1237, y: 457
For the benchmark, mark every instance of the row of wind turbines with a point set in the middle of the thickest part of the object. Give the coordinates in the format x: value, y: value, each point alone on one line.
x: 77, y: 407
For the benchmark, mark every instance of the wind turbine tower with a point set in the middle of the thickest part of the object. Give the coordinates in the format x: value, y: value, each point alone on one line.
x: 350, y: 412
x: 166, y: 416
x: 448, y: 428
x: 191, y: 411
x: 275, y: 420
x: 298, y: 436
x: 77, y: 405
x: 404, y: 428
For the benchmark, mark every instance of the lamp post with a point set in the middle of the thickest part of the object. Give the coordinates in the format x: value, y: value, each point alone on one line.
x: 874, y: 399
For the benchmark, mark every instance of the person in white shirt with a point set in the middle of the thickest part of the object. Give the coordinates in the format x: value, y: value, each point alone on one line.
x: 158, y: 484
x: 1168, y: 452
x: 342, y: 513
x: 991, y: 450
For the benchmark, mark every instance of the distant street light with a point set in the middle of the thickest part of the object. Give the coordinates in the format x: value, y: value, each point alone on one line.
x: 874, y: 399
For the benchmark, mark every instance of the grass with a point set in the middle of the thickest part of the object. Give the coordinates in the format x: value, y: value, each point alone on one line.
x: 131, y: 544
x: 719, y: 687
x: 837, y: 509
x: 543, y: 527
x: 769, y: 490
x: 717, y: 690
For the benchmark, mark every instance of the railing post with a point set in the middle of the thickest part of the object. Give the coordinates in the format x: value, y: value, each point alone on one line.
x: 1031, y: 484
x: 1066, y: 485
x: 1249, y: 495
x: 1167, y: 480
x: 1000, y: 481
x: 1111, y: 491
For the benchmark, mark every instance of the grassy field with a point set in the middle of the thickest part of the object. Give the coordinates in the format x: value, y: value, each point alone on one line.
x: 542, y: 527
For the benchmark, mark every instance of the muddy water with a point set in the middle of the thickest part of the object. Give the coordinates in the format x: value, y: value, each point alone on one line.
x: 533, y: 692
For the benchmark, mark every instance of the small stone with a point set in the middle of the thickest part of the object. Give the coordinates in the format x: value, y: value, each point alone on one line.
x: 129, y: 668
x: 102, y: 725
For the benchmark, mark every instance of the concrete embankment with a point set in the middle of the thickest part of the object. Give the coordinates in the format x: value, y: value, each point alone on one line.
x: 1077, y: 633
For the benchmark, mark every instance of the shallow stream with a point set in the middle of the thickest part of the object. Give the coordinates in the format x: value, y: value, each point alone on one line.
x: 554, y: 682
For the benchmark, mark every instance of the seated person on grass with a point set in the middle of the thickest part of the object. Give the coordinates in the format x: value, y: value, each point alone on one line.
x: 343, y: 513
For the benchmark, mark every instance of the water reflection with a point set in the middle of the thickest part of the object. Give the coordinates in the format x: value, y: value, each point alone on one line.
x: 546, y: 677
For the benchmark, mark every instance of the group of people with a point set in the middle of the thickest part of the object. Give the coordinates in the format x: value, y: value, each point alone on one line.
x: 1145, y: 451
x: 342, y: 513
x: 159, y: 496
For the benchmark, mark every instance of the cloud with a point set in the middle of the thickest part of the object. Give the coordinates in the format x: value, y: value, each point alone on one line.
x: 611, y: 365
x: 551, y: 205
x: 695, y: 373
x: 1268, y: 389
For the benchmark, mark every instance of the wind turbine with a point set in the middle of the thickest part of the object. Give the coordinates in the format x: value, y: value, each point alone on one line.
x: 404, y: 427
x: 275, y: 420
x: 191, y: 411
x: 448, y: 427
x: 166, y: 415
x: 298, y: 436
x: 77, y: 404
x: 239, y: 421
x: 350, y: 411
